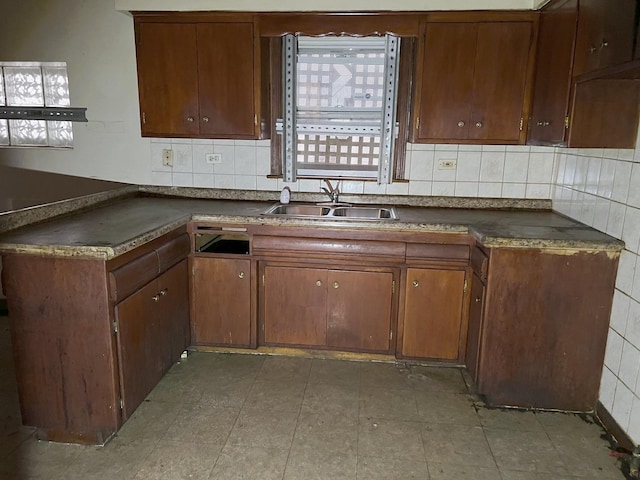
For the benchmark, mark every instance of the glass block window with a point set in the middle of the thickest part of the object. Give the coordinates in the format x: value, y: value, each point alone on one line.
x: 34, y: 84
x: 337, y: 94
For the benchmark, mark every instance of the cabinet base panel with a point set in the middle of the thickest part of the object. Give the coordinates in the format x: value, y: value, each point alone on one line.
x: 95, y: 438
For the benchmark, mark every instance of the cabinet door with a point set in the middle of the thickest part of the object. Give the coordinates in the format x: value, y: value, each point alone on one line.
x: 140, y: 356
x: 167, y: 78
x: 447, y: 81
x: 359, y: 310
x: 475, y: 326
x: 500, y: 79
x: 433, y: 313
x: 174, y: 331
x: 226, y: 79
x: 222, y: 301
x: 552, y: 84
x: 295, y: 306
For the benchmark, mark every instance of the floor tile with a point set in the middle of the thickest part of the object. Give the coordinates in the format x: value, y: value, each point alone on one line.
x: 384, y: 375
x: 285, y: 369
x: 151, y: 420
x: 515, y: 475
x: 511, y: 419
x: 587, y: 456
x: 202, y: 424
x: 391, y: 468
x: 34, y: 458
x: 332, y: 398
x: 444, y: 407
x: 310, y: 465
x: 227, y: 392
x: 437, y: 379
x: 456, y: 472
x: 334, y: 371
x: 179, y: 461
x: 524, y: 451
x: 392, y: 403
x: 269, y: 396
x: 259, y: 429
x: 390, y: 438
x: 250, y: 462
x: 457, y: 444
x: 326, y: 434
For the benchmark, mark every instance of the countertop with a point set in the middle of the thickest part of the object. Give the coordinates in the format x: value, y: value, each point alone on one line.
x: 120, y: 223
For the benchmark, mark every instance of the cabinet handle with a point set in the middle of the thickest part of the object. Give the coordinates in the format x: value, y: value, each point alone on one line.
x: 336, y: 284
x: 461, y: 124
x: 164, y: 292
x: 205, y: 119
x: 155, y: 298
x: 604, y: 44
x: 241, y: 275
x: 478, y: 299
x: 415, y: 283
x: 190, y: 119
x: 318, y: 283
x: 479, y: 124
x: 543, y: 124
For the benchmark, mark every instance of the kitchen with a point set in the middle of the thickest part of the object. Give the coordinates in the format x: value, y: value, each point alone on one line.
x: 104, y: 79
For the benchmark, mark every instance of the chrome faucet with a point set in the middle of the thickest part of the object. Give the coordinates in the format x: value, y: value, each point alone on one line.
x: 331, y: 191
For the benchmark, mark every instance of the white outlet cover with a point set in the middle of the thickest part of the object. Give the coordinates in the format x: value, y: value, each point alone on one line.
x: 214, y: 158
x: 167, y: 157
x: 447, y: 164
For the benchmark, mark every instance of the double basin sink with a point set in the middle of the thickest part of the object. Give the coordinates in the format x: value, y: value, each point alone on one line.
x: 336, y: 211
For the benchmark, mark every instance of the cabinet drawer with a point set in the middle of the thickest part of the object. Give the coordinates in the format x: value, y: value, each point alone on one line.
x: 172, y: 252
x: 132, y: 276
x: 480, y: 263
x: 430, y: 251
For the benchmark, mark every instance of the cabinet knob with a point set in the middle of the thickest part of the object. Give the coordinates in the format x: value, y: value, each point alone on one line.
x: 190, y: 119
x: 318, y: 283
x: 336, y: 285
x: 205, y: 119
x: 461, y: 124
x: 479, y: 124
x: 164, y: 292
x: 415, y: 283
x: 478, y: 299
x: 543, y: 124
x: 592, y: 49
x: 155, y: 298
x: 241, y: 275
x: 604, y: 44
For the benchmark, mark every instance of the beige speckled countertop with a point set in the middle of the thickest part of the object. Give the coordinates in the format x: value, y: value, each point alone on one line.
x: 105, y: 226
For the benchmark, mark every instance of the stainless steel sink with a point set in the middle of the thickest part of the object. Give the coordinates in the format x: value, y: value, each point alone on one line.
x: 336, y: 212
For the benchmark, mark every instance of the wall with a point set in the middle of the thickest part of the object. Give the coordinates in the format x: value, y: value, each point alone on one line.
x: 97, y: 42
x: 602, y: 188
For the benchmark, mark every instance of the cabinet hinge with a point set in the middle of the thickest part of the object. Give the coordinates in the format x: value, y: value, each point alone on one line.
x: 464, y: 290
x: 255, y: 119
x: 121, y: 402
x: 566, y: 121
x: 417, y: 123
x: 263, y: 279
x: 115, y: 326
x: 144, y: 118
x: 393, y: 286
x: 521, y: 123
x: 390, y: 334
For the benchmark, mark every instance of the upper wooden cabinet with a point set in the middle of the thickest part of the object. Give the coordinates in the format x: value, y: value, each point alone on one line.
x: 605, y: 34
x: 472, y: 82
x: 580, y: 41
x: 198, y: 76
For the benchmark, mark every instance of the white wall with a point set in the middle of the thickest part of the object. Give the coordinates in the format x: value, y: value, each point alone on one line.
x: 97, y: 43
x: 602, y: 188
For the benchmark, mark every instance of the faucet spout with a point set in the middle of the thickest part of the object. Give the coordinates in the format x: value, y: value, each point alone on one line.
x: 332, y: 192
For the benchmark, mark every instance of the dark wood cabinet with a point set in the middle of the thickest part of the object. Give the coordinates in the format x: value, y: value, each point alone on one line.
x: 197, y: 78
x: 433, y: 314
x: 321, y: 307
x: 575, y: 103
x: 473, y: 82
x: 222, y: 303
x: 152, y: 327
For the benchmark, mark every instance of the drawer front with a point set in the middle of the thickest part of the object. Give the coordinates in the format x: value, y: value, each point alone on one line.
x: 173, y: 251
x: 480, y: 264
x: 433, y: 251
x: 132, y: 276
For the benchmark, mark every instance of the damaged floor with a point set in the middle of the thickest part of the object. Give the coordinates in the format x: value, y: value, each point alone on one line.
x: 221, y: 416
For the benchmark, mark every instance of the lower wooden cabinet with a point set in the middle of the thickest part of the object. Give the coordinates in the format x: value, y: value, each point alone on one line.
x: 321, y: 307
x: 221, y: 290
x: 152, y: 329
x: 432, y: 325
x: 476, y: 307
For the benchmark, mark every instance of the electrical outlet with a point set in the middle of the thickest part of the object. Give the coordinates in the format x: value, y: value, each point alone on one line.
x: 214, y: 158
x: 167, y: 157
x: 450, y: 164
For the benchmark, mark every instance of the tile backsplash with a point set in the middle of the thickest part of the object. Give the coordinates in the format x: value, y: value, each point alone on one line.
x: 482, y: 171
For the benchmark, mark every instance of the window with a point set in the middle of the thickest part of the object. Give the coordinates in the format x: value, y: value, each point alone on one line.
x: 339, y: 107
x: 35, y: 84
